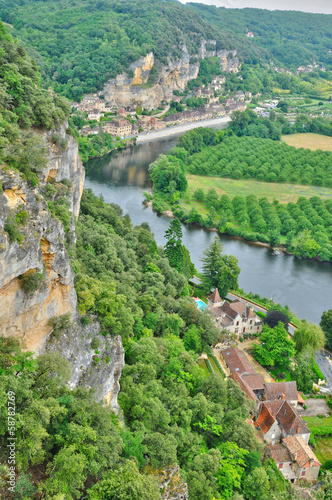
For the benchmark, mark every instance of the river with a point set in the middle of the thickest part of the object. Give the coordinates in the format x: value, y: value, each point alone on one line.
x: 306, y: 286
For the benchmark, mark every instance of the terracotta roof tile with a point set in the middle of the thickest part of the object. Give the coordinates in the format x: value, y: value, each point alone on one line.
x: 301, y: 452
x: 237, y: 361
x: 265, y: 420
x: 290, y: 421
x: 275, y: 390
x: 256, y: 382
x: 280, y: 453
x: 214, y: 297
x: 249, y: 392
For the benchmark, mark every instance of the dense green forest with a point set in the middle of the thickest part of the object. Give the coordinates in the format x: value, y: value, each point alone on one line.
x: 24, y: 104
x: 80, y: 45
x: 174, y: 412
x: 304, y: 227
x: 292, y: 38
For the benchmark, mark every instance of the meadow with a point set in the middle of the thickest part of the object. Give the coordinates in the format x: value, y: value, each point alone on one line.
x: 245, y: 187
x: 309, y: 141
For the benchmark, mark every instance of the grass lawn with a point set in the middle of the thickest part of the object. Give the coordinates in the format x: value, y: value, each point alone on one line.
x: 318, y: 422
x: 202, y: 364
x: 243, y: 187
x: 309, y: 141
x: 213, y: 364
x: 323, y: 450
x: 276, y: 370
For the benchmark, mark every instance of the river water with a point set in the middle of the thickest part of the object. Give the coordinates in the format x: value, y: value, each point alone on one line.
x: 306, y: 286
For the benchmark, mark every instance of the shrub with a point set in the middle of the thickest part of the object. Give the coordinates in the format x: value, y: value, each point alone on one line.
x: 22, y: 217
x: 60, y: 324
x: 31, y: 281
x: 11, y: 229
x: 328, y: 464
x: 95, y: 344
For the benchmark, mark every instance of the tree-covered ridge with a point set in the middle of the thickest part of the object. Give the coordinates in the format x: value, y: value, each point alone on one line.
x: 291, y: 38
x: 24, y: 104
x: 79, y: 46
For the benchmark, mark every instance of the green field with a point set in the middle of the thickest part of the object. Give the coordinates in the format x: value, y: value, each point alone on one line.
x: 309, y: 141
x: 318, y: 422
x: 243, y: 187
x: 323, y: 450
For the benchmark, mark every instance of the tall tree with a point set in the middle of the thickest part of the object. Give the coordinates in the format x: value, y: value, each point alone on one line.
x: 309, y: 336
x: 275, y: 347
x: 219, y: 271
x: 326, y: 326
x: 178, y: 255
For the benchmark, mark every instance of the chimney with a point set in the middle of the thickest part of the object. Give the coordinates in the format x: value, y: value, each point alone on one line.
x: 283, y: 396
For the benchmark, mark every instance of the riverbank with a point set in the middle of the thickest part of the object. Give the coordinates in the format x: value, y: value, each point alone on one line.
x: 181, y: 129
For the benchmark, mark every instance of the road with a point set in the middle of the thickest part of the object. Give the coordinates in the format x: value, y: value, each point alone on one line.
x: 325, y: 366
x: 179, y: 129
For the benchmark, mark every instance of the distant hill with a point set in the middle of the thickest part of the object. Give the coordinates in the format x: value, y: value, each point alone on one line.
x: 292, y: 38
x: 81, y: 44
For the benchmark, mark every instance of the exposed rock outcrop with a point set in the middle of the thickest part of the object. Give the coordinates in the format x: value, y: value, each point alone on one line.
x: 64, y: 162
x: 172, y: 486
x: 152, y: 83
x: 148, y: 89
x: 41, y: 249
x: 96, y: 361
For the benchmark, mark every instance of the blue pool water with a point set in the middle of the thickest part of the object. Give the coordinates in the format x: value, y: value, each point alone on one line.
x: 200, y: 304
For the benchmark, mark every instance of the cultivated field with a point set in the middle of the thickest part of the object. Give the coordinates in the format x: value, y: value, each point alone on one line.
x: 242, y: 187
x: 309, y: 141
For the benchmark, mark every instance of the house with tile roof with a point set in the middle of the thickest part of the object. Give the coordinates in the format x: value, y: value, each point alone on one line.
x: 242, y: 371
x: 278, y: 420
x: 235, y: 317
x: 295, y: 459
x: 282, y: 390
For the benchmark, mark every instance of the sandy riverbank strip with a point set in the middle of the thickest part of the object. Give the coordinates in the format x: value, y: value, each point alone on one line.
x: 179, y: 129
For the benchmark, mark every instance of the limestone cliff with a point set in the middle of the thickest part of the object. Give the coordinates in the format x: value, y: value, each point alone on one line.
x: 96, y: 361
x: 153, y: 83
x: 40, y: 249
x: 36, y: 279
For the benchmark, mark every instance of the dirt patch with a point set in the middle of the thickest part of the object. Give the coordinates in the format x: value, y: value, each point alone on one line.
x: 314, y: 407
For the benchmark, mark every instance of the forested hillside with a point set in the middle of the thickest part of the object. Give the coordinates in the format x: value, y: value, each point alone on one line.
x: 292, y: 38
x: 81, y: 45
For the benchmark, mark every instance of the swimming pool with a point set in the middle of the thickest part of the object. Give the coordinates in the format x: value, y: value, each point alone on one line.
x: 200, y: 304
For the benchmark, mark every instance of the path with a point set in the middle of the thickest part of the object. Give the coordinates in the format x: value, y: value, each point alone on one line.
x: 244, y: 346
x: 179, y: 129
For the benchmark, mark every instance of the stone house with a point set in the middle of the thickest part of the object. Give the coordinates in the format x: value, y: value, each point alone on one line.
x: 239, y: 95
x: 278, y: 420
x: 235, y: 317
x: 95, y: 115
x: 295, y: 459
x: 122, y: 112
x: 119, y: 128
x: 154, y: 124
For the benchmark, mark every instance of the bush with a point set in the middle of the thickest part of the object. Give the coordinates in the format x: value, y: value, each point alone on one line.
x: 22, y: 217
x: 11, y: 229
x: 328, y: 464
x: 60, y: 324
x: 31, y: 281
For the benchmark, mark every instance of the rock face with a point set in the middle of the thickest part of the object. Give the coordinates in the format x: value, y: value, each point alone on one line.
x: 172, y: 486
x: 96, y: 361
x: 153, y: 83
x: 39, y: 251
x: 42, y: 250
x: 149, y: 88
x: 64, y: 162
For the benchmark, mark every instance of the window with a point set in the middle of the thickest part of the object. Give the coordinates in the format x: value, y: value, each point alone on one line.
x: 273, y: 436
x: 236, y: 330
x: 237, y: 324
x: 251, y: 321
x: 280, y: 466
x: 251, y: 328
x: 303, y: 473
